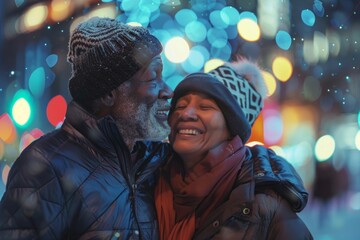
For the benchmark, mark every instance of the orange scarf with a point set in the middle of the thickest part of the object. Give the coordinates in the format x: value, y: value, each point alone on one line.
x: 184, y: 202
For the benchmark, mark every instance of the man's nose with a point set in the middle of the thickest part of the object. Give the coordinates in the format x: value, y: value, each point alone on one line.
x: 165, y: 92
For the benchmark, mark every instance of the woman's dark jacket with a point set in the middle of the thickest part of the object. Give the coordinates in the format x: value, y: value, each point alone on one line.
x: 79, y: 182
x: 254, y: 210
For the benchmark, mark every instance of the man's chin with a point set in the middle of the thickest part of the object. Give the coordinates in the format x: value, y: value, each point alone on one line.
x: 158, y: 133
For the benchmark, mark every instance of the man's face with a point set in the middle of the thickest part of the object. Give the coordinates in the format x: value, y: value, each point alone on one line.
x: 142, y: 106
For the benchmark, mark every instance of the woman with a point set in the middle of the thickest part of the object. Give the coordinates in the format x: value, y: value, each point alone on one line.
x: 208, y: 190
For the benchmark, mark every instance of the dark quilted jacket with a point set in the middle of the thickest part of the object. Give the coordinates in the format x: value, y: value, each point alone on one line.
x: 254, y: 211
x: 79, y: 182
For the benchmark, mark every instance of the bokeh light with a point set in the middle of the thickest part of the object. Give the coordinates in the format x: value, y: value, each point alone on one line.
x: 283, y: 40
x: 318, y: 8
x: 217, y: 37
x: 219, y: 20
x: 185, y: 16
x: 357, y: 140
x: 25, y: 141
x: 22, y: 108
x: 212, y: 64
x: 273, y: 126
x: 37, y: 82
x: 248, y: 29
x: 33, y: 18
x: 308, y: 17
x: 5, y: 173
x: 230, y: 15
x: 61, y: 9
x: 270, y: 82
x: 2, y: 148
x: 177, y: 50
x: 7, y: 129
x: 21, y: 111
x: 282, y: 68
x: 355, y: 201
x: 56, y: 109
x: 196, y: 31
x: 194, y: 62
x: 324, y: 148
x: 51, y: 60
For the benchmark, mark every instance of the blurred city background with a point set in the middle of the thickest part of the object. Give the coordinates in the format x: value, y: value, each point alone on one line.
x: 309, y: 52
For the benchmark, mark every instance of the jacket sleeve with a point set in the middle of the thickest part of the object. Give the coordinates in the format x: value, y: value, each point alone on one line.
x: 273, y: 171
x: 286, y: 224
x: 31, y: 207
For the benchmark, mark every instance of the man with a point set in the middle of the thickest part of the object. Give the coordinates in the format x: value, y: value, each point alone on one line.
x: 82, y: 181
x: 94, y: 177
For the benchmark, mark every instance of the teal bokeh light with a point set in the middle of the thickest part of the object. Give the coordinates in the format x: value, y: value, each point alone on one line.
x: 51, y: 60
x: 151, y: 6
x: 129, y: 5
x: 185, y: 16
x: 37, y: 82
x: 196, y: 31
x: 248, y: 15
x: 174, y: 80
x: 203, y: 50
x: 230, y: 15
x: 308, y: 17
x: 217, y: 37
x: 194, y: 62
x: 283, y: 40
x: 223, y: 53
x: 217, y: 20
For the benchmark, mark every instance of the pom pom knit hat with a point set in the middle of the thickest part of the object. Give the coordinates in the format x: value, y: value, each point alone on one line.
x: 105, y: 53
x: 238, y: 88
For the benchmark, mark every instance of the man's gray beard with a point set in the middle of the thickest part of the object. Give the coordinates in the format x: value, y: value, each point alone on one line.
x: 138, y: 122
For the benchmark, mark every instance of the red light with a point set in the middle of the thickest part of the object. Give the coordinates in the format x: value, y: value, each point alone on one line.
x: 56, y: 110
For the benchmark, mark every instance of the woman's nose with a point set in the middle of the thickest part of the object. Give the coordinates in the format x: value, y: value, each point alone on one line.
x: 189, y: 114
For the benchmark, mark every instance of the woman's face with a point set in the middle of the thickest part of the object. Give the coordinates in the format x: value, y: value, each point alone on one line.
x: 197, y: 125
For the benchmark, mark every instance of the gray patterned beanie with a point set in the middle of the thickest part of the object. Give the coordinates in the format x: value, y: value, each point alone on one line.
x: 238, y: 89
x: 105, y: 53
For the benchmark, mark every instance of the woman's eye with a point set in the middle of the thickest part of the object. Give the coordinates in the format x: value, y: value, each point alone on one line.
x: 205, y: 107
x: 177, y: 107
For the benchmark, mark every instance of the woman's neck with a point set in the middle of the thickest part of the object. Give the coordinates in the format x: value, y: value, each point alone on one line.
x: 190, y: 160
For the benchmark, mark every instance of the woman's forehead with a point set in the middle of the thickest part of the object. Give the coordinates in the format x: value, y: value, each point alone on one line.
x: 194, y: 94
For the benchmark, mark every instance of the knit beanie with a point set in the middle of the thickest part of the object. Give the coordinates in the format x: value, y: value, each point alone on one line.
x: 105, y: 53
x: 238, y: 89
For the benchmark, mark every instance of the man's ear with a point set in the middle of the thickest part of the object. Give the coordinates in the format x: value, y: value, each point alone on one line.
x: 109, y: 99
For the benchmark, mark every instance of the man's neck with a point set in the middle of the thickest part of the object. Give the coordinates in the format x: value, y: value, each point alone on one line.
x: 128, y: 138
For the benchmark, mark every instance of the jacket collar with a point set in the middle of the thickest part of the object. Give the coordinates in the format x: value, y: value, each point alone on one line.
x: 98, y: 132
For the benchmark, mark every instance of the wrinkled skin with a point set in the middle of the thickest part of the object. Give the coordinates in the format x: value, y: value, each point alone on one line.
x: 197, y: 126
x: 141, y: 105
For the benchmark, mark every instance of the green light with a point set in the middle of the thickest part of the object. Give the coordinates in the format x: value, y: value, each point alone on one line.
x: 21, y: 108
